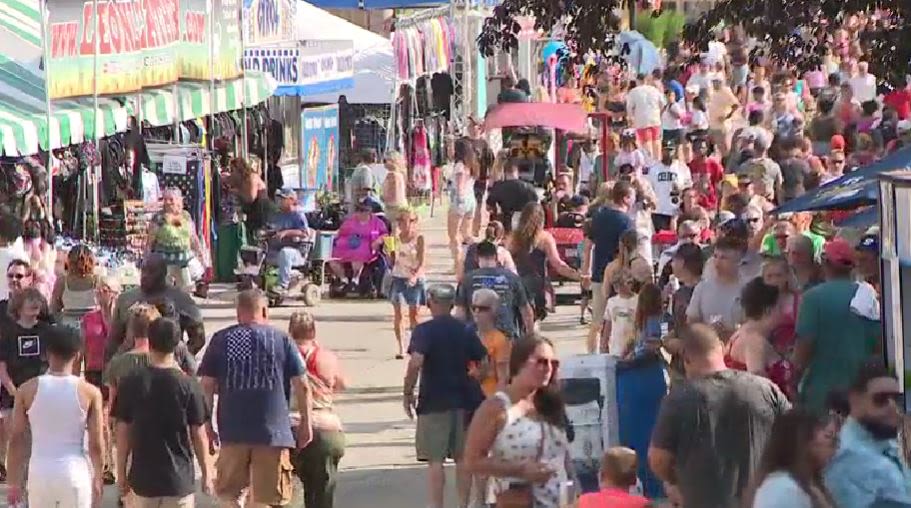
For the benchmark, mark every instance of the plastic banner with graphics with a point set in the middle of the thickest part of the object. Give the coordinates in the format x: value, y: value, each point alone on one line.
x: 319, y: 147
x: 136, y: 42
x: 268, y: 21
x: 305, y: 68
x: 140, y: 44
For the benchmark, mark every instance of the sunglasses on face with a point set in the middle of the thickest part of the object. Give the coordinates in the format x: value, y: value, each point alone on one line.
x: 16, y: 276
x: 838, y: 161
x: 751, y: 220
x: 880, y: 399
x: 544, y: 362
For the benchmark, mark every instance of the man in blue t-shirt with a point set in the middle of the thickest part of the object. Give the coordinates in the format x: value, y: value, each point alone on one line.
x: 600, y: 247
x: 252, y: 367
x: 441, y: 350
x: 291, y: 228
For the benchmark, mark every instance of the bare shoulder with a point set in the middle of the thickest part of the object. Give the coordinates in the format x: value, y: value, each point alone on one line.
x: 28, y: 389
x: 88, y: 391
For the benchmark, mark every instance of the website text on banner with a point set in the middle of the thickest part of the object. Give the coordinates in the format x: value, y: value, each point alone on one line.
x: 142, y: 44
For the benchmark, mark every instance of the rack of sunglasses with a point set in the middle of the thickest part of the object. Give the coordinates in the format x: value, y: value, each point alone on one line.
x: 126, y: 225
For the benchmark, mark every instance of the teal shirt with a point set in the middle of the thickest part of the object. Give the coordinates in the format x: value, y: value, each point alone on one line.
x: 842, y: 341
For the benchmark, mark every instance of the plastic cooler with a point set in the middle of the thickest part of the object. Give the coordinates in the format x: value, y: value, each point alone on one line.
x: 322, y: 248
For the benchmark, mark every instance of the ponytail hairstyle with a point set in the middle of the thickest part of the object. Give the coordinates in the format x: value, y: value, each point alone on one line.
x: 547, y: 399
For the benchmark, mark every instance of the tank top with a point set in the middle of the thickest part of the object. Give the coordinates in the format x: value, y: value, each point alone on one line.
x: 406, y: 258
x: 57, y: 421
x: 77, y: 302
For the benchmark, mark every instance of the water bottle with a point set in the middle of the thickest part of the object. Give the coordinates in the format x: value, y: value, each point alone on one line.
x: 674, y: 283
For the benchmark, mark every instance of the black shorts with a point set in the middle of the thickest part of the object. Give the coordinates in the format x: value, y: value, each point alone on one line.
x: 95, y: 378
x: 480, y: 188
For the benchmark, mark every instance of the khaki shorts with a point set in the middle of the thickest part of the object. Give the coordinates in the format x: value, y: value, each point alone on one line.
x: 440, y: 436
x: 599, y: 304
x: 265, y: 468
x: 161, y: 502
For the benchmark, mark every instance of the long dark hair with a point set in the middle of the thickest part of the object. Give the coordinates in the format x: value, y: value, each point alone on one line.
x: 649, y: 305
x: 547, y: 399
x: 788, y: 450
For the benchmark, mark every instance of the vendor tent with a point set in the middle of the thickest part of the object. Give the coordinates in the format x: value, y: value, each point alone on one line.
x: 24, y: 125
x: 852, y: 190
x: 376, y: 4
x: 373, y: 62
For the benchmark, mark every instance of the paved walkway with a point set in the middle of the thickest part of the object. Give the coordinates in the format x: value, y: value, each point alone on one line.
x: 379, y: 467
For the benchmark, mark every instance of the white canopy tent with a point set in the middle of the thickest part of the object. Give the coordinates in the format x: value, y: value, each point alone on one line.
x: 374, y: 62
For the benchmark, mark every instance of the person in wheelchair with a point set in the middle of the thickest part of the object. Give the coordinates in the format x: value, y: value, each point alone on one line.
x: 290, y: 231
x: 358, y: 243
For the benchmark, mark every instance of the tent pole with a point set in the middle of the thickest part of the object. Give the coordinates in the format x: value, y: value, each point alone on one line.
x: 211, y: 6
x: 243, y: 80
x: 91, y: 184
x: 46, y: 48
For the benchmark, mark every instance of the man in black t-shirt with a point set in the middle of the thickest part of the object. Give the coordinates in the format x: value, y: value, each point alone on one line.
x: 22, y: 348
x: 510, y: 196
x: 161, y: 412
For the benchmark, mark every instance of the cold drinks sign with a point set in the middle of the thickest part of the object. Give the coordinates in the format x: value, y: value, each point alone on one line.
x: 306, y: 67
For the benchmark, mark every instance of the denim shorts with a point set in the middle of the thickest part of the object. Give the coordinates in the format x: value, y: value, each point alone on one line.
x: 401, y: 292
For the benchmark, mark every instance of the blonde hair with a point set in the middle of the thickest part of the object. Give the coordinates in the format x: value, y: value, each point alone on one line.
x: 302, y: 325
x: 619, y: 465
x: 140, y: 318
x: 396, y: 160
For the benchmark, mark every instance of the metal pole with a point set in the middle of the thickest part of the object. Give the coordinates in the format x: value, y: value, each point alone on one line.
x: 46, y: 43
x: 243, y: 77
x: 631, y: 5
x: 211, y: 5
x: 468, y: 57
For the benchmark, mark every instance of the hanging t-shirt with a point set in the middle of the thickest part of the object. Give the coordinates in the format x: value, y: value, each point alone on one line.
x: 664, y: 180
x: 151, y: 190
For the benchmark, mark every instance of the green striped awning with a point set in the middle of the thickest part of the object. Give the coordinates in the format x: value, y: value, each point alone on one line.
x: 161, y: 107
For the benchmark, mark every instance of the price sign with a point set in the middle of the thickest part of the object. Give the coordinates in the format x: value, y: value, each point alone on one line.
x: 174, y: 165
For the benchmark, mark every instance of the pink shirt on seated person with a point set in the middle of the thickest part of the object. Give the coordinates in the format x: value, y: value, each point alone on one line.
x: 612, y: 498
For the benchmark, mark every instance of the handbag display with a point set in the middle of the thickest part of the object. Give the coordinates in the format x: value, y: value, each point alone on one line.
x: 521, y: 495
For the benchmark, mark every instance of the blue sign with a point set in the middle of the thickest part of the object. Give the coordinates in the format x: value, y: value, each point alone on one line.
x: 319, y: 147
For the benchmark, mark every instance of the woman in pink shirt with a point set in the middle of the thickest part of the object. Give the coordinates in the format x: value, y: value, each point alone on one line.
x: 618, y: 476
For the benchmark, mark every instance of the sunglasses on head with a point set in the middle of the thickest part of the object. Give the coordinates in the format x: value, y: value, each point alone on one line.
x: 882, y: 398
x: 544, y: 362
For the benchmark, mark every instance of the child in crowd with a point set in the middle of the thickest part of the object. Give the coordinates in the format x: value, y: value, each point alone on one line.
x: 619, y: 325
x: 649, y: 312
x: 618, y: 478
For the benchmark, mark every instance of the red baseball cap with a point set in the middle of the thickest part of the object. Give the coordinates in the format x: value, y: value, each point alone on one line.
x: 838, y: 251
x: 837, y: 142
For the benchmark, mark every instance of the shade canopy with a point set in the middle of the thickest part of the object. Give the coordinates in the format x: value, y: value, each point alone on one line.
x: 567, y: 117
x: 858, y: 188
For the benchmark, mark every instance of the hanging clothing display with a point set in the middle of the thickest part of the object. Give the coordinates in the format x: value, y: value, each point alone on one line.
x: 424, y: 48
x: 420, y: 159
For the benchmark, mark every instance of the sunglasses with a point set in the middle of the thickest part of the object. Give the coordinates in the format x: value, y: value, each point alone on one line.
x: 16, y: 276
x: 480, y: 308
x: 882, y: 398
x: 544, y: 362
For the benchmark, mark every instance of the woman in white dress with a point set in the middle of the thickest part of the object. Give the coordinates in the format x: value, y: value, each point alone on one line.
x: 518, y: 437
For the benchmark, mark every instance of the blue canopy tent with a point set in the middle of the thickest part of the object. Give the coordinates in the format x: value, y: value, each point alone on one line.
x: 376, y: 4
x: 852, y: 190
x: 862, y: 219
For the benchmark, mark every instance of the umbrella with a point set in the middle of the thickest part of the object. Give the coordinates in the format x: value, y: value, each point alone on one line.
x: 854, y: 189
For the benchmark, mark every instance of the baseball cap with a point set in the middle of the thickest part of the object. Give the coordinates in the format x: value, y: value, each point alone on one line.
x: 869, y: 243
x: 442, y: 293
x: 838, y: 251
x: 285, y: 193
x: 364, y: 205
x: 838, y: 142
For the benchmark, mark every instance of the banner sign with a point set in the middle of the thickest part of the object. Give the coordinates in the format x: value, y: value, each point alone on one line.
x: 319, y: 147
x: 136, y: 46
x: 140, y: 44
x: 268, y: 21
x: 305, y: 68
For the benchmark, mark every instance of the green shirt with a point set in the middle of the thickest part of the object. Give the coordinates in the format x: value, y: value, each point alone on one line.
x: 842, y: 341
x: 770, y: 245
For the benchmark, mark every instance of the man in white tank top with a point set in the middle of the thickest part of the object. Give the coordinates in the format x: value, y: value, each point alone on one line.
x: 60, y: 409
